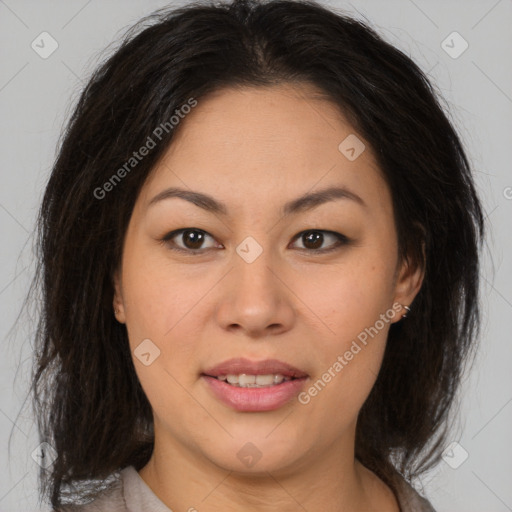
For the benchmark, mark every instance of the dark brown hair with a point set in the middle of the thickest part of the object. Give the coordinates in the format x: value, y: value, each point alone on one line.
x: 89, y: 403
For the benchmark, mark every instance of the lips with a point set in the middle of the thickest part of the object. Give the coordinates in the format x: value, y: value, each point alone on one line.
x: 238, y: 366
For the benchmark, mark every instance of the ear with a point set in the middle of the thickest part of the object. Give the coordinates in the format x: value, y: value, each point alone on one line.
x: 118, y: 303
x: 408, y: 283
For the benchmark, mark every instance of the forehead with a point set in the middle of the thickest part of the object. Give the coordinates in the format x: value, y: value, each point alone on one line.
x: 252, y: 142
x: 279, y: 121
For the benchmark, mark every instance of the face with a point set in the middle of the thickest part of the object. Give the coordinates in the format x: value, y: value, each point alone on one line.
x: 314, y: 284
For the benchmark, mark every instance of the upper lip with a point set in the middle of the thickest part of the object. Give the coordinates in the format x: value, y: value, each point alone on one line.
x: 240, y: 365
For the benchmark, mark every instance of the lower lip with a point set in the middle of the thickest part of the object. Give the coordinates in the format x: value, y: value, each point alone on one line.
x: 255, y: 399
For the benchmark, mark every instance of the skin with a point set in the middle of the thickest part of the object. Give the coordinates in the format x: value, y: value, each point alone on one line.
x: 255, y: 149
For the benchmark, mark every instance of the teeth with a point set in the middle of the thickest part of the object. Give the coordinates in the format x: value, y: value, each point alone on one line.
x: 254, y: 381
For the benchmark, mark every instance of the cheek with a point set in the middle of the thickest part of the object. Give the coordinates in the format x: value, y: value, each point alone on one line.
x: 352, y: 306
x: 158, y: 296
x: 347, y: 298
x: 160, y: 308
x: 351, y: 356
x: 161, y: 305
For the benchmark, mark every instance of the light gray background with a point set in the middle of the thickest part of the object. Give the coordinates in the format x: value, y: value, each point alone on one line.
x: 35, y: 98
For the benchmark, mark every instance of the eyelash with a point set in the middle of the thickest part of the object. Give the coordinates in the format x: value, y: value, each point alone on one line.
x: 342, y: 240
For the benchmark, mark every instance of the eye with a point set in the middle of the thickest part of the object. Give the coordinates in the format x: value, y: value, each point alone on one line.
x: 193, y: 238
x: 314, y: 238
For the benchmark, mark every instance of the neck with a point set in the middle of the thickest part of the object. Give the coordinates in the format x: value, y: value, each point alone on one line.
x: 330, y: 481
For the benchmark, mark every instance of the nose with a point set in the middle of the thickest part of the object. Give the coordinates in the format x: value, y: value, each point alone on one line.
x: 255, y: 298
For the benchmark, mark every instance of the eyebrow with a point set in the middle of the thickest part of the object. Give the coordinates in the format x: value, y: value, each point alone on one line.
x: 303, y: 203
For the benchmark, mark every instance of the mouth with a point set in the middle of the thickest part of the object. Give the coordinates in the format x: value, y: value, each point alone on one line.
x: 246, y: 385
x: 244, y: 380
x: 242, y: 372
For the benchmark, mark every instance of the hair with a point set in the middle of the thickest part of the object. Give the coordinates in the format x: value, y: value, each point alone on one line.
x: 89, y: 404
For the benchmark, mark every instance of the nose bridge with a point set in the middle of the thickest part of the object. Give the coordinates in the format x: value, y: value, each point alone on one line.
x: 255, y: 268
x: 256, y: 298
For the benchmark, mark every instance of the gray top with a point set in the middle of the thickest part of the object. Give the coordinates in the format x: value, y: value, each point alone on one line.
x: 130, y: 493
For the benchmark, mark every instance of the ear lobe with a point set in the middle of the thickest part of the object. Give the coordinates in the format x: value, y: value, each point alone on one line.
x: 118, y: 303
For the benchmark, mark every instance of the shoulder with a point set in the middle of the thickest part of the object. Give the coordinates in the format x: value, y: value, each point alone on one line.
x: 111, y: 499
x: 127, y: 493
x: 409, y: 499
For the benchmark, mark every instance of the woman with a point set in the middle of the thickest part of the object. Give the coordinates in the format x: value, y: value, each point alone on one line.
x: 259, y: 252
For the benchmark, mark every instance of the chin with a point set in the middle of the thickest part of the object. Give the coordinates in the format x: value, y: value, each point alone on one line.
x: 254, y: 456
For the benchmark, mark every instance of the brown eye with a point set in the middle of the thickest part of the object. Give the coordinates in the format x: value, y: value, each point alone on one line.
x: 313, y: 240
x: 191, y: 239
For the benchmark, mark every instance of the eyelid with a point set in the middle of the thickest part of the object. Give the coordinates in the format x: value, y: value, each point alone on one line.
x: 342, y: 240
